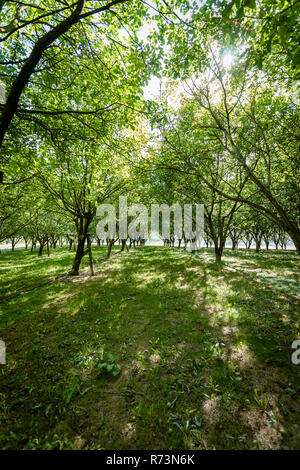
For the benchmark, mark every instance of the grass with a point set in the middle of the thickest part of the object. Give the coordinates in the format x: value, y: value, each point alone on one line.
x: 161, y: 349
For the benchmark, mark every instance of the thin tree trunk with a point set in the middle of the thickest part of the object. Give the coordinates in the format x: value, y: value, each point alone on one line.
x: 88, y: 239
x: 110, y: 244
x: 78, y: 257
x: 124, y: 245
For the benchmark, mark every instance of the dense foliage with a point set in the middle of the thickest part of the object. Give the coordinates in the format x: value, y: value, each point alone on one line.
x: 77, y: 130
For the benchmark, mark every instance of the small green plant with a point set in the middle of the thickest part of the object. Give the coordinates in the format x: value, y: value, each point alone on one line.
x: 154, y: 343
x: 69, y: 391
x: 109, y: 364
x: 140, y: 356
x: 263, y: 404
x: 189, y: 415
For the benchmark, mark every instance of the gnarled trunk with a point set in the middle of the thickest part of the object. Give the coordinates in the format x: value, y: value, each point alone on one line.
x: 110, y: 244
x: 82, y: 226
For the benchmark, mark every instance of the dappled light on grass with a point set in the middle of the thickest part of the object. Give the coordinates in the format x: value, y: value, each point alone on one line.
x: 160, y: 349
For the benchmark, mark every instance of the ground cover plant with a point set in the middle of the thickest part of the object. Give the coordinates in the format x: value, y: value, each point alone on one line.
x: 161, y: 349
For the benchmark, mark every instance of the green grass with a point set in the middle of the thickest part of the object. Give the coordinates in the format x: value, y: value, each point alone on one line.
x: 162, y: 349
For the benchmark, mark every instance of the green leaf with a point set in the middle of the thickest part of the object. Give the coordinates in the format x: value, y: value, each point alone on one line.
x: 250, y: 4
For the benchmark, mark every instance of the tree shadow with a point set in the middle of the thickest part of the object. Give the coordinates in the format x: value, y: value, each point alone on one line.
x: 190, y: 362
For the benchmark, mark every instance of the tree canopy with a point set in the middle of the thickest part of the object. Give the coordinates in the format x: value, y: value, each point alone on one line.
x: 75, y: 123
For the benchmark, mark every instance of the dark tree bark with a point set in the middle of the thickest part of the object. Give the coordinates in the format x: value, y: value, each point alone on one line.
x: 219, y: 252
x: 257, y: 244
x: 109, y: 247
x: 82, y: 224
x: 40, y: 252
x: 123, y: 241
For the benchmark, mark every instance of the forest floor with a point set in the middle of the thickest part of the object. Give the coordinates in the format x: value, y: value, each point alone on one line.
x: 161, y: 349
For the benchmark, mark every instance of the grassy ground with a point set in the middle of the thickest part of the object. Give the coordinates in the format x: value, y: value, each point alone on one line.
x: 160, y: 350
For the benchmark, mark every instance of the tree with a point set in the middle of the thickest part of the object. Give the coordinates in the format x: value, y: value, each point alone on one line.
x: 248, y: 124
x: 270, y: 29
x: 36, y: 41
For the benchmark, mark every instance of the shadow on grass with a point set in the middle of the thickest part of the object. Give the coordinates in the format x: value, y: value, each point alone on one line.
x: 204, y: 350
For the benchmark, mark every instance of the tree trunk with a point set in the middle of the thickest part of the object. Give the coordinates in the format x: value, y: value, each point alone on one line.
x: 78, y: 257
x: 296, y: 240
x: 218, y: 249
x: 82, y: 226
x: 257, y: 244
x: 124, y: 245
x: 218, y: 253
x: 88, y: 239
x: 110, y: 244
x: 40, y: 253
x: 30, y: 65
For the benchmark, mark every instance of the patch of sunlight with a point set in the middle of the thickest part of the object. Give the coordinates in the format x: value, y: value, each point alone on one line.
x: 286, y: 319
x: 232, y: 264
x: 225, y: 310
x: 239, y: 261
x: 205, y: 256
x: 155, y: 358
x: 128, y: 430
x: 193, y: 268
x: 88, y: 358
x: 241, y: 353
x: 267, y: 437
x: 15, y: 266
x: 227, y: 60
x: 57, y: 299
x: 220, y: 287
x: 288, y: 285
x: 147, y: 278
x: 183, y: 286
x: 229, y: 330
x: 211, y: 410
x: 180, y: 254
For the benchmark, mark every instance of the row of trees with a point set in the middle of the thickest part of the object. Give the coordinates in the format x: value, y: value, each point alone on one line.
x: 76, y: 131
x: 46, y: 228
x: 233, y: 144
